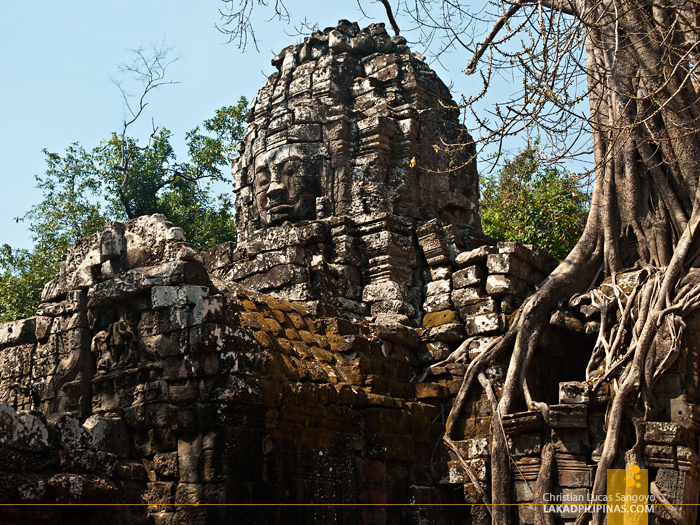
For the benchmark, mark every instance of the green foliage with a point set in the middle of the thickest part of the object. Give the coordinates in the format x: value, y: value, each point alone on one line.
x: 82, y: 189
x: 527, y: 204
x: 23, y: 274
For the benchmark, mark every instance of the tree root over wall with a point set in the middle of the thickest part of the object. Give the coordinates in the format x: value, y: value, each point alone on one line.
x: 629, y: 356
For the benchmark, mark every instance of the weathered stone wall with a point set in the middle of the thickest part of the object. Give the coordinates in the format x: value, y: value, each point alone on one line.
x: 216, y: 394
x: 146, y: 380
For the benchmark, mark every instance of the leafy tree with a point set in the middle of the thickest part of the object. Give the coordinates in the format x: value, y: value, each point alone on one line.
x: 83, y: 189
x: 525, y: 203
x: 121, y: 179
x: 23, y: 274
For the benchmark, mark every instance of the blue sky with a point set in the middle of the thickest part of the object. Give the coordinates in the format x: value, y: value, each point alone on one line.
x: 57, y: 58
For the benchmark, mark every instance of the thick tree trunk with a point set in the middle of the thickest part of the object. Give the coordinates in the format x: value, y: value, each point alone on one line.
x: 644, y: 119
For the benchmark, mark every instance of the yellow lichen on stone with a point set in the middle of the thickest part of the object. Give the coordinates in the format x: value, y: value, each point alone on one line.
x: 440, y: 318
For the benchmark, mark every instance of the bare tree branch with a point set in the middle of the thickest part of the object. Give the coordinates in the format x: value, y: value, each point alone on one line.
x: 390, y: 16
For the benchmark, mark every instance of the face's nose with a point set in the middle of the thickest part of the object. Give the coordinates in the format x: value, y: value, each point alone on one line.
x: 275, y: 191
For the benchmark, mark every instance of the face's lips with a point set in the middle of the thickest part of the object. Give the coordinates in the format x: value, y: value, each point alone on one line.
x: 281, y: 209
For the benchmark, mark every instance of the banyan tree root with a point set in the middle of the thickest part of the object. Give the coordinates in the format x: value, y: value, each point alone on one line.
x: 676, y: 516
x: 623, y: 351
x: 545, y: 482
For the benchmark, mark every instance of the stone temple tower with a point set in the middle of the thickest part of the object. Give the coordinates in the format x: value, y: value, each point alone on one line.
x: 352, y: 145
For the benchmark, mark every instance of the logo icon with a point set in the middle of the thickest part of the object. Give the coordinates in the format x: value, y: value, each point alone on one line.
x: 628, y: 496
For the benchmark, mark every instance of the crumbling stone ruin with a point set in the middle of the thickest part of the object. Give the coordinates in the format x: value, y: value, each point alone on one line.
x: 342, y: 160
x: 316, y: 359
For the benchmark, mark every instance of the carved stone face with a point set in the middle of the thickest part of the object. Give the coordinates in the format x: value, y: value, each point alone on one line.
x: 285, y: 185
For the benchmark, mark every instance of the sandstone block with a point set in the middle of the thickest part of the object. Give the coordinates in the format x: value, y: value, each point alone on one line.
x: 219, y: 256
x: 448, y: 333
x: 393, y: 307
x: 507, y: 263
x: 688, y: 460
x: 522, y: 491
x: 265, y: 261
x: 471, y: 276
x: 68, y: 488
x: 573, y: 392
x: 10, y: 427
x: 398, y: 333
x: 677, y: 487
x: 474, y: 448
x: 66, y: 432
x: 189, y: 494
x: 435, y: 319
x: 476, y: 256
x: 660, y: 456
x: 27, y: 489
x: 575, y: 477
x: 456, y: 473
x: 478, y: 345
x: 16, y: 333
x: 277, y: 277
x: 440, y: 273
x: 76, y: 301
x: 526, y: 444
x: 568, y: 416
x: 438, y: 287
x: 31, y: 434
x: 497, y: 285
x: 77, y: 461
x: 467, y: 296
x: 43, y: 327
x: 432, y: 352
x: 386, y: 291
x: 166, y: 465
x: 161, y: 493
x: 181, y: 295
x: 438, y: 303
x: 522, y: 422
x: 112, y: 241
x: 189, y: 449
x: 571, y: 441
x: 532, y: 255
x: 132, y: 282
x: 484, y: 306
x: 484, y: 324
x: 430, y: 390
x: 666, y: 433
x: 566, y: 321
x: 210, y: 337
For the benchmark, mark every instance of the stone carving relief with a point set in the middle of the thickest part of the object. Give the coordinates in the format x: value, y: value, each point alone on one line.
x: 346, y: 154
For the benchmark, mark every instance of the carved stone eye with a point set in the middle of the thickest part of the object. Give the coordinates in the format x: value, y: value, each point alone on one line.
x: 262, y: 178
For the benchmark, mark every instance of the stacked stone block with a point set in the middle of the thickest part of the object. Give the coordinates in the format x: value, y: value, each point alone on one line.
x: 670, y: 435
x: 56, y: 459
x: 474, y: 285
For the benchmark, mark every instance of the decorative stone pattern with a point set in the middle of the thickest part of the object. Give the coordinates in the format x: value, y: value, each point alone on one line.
x: 346, y: 153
